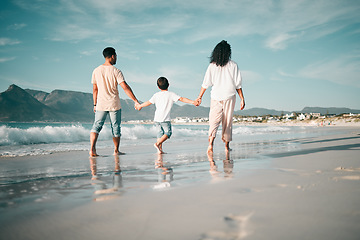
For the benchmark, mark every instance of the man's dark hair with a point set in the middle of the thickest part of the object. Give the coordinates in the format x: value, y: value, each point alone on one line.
x: 221, y: 54
x: 108, y: 52
x: 163, y: 83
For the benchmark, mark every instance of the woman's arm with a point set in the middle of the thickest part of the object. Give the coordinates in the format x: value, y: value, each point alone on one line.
x: 241, y: 95
x: 198, y: 100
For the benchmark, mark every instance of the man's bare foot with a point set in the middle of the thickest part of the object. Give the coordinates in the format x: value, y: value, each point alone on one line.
x: 118, y: 153
x: 158, y: 148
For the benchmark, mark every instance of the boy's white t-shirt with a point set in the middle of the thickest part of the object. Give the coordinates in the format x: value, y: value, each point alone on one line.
x: 163, y: 101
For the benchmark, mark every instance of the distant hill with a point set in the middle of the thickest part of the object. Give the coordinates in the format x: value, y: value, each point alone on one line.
x: 17, y: 104
x: 331, y: 110
x: 260, y: 112
x: 76, y: 104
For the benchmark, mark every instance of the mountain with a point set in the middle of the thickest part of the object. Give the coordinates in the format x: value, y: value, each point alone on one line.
x: 39, y: 95
x: 330, y: 110
x: 260, y: 112
x: 77, y: 104
x: 18, y: 105
x: 80, y: 106
x: 189, y: 111
x: 72, y: 106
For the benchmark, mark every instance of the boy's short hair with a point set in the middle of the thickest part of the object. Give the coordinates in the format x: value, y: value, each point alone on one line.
x: 163, y: 83
x: 108, y: 52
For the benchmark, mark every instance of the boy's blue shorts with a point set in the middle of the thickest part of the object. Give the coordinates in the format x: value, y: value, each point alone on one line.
x: 163, y: 128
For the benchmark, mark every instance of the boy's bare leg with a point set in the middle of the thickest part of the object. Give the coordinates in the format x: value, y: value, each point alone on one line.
x: 158, y: 144
x: 116, y: 141
x: 211, y: 144
x: 93, y: 140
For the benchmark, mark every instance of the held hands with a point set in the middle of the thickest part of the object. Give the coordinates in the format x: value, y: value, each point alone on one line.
x: 197, y: 102
x: 137, y: 106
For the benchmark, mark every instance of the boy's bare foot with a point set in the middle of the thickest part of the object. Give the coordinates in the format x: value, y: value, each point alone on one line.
x: 210, y: 149
x: 158, y: 148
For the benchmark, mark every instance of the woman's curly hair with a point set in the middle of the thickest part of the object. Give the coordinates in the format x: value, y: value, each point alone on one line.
x: 221, y: 54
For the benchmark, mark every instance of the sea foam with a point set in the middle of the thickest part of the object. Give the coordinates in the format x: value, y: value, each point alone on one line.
x: 40, y: 135
x: 78, y: 133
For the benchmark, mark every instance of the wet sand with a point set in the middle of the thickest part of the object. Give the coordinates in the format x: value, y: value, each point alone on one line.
x: 311, y: 192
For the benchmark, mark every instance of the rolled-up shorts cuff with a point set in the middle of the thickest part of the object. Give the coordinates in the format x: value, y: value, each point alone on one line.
x: 115, y: 119
x: 164, y: 128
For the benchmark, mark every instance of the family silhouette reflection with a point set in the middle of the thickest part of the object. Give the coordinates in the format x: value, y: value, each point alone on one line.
x: 165, y: 174
x: 102, y: 191
x: 228, y: 165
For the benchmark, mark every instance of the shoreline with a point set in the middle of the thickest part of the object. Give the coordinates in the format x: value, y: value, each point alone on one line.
x: 333, y: 121
x: 310, y: 192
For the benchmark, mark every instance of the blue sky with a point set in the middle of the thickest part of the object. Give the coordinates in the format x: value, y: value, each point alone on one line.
x: 292, y: 54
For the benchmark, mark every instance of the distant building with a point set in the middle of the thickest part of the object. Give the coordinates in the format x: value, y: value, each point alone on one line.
x: 317, y: 115
x: 301, y: 117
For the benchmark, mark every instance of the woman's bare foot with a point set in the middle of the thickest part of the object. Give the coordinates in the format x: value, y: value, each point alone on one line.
x: 93, y: 153
x: 227, y: 147
x: 118, y: 153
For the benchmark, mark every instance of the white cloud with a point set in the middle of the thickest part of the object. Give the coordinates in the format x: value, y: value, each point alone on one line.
x: 280, y: 23
x: 16, y: 26
x: 344, y: 70
x: 8, y: 41
x: 279, y: 42
x: 250, y: 76
x: 7, y: 59
x: 156, y: 41
x: 73, y: 32
x: 284, y: 74
x: 139, y: 77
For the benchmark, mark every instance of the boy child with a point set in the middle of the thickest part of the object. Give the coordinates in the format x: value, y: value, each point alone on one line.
x: 163, y: 101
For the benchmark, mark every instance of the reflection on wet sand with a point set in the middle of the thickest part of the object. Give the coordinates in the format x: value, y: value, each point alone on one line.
x: 228, y: 165
x: 163, y: 173
x: 102, y: 192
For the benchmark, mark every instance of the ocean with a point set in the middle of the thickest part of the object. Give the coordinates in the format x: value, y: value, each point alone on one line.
x: 26, y: 139
x: 46, y: 166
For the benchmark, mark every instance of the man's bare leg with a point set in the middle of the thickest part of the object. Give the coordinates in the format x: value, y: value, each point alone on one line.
x: 211, y: 144
x: 93, y: 140
x: 158, y: 144
x: 116, y: 141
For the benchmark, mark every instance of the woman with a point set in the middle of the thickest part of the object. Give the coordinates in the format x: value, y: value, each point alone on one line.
x: 224, y: 77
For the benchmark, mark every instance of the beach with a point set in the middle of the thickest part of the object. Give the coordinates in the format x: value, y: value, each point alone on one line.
x: 277, y: 185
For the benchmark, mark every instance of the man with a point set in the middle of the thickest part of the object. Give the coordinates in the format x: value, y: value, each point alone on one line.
x: 105, y: 80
